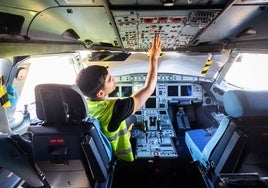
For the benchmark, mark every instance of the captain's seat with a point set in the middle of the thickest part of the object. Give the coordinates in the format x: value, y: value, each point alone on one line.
x: 68, y: 147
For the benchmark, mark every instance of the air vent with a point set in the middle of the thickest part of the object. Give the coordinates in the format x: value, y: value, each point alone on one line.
x: 10, y: 23
x: 70, y: 34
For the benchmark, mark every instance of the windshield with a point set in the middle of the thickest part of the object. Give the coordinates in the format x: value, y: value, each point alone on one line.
x: 50, y: 69
x: 249, y: 71
x: 191, y: 64
x: 63, y: 68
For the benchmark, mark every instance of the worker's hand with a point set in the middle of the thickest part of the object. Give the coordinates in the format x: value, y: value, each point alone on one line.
x: 129, y: 129
x: 155, y: 49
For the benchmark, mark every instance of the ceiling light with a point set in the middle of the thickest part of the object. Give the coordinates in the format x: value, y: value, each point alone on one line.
x: 80, y: 2
x: 168, y: 3
x: 248, y: 32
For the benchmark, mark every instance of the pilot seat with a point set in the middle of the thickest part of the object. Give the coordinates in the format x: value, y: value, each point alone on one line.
x: 68, y: 147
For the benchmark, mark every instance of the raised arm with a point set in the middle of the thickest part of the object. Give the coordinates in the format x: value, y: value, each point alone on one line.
x: 146, y: 91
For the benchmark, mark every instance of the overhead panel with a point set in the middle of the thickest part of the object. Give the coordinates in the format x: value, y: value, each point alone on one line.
x: 177, y: 29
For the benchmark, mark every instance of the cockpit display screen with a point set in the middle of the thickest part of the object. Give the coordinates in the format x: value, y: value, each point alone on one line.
x: 126, y: 91
x: 186, y: 90
x: 172, y: 91
x: 115, y: 93
x: 150, y: 103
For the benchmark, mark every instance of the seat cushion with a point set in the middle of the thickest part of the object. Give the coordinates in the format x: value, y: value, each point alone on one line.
x: 201, y: 142
x: 196, y: 140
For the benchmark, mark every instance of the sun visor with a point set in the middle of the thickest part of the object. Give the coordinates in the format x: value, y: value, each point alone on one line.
x: 108, y: 56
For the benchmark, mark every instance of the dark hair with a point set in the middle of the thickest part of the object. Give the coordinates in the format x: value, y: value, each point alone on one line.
x: 91, y: 79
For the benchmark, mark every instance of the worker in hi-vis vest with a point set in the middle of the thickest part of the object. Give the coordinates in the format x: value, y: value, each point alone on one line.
x: 96, y: 83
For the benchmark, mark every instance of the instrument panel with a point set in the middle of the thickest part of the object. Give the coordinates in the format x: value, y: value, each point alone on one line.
x: 136, y: 28
x: 154, y: 130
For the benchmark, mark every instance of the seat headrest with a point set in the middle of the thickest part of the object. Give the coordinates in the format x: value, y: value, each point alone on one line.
x: 241, y: 103
x: 57, y: 103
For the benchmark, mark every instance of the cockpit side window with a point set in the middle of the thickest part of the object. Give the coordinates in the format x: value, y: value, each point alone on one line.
x: 249, y: 71
x: 50, y: 69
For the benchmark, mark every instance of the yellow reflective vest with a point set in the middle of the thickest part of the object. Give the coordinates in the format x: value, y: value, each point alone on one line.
x: 119, y: 139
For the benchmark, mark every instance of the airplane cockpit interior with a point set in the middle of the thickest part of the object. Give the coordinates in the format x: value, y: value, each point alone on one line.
x: 205, y: 125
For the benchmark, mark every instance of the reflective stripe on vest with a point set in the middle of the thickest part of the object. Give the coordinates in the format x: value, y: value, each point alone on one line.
x: 122, y: 152
x: 119, y: 139
x: 121, y: 132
